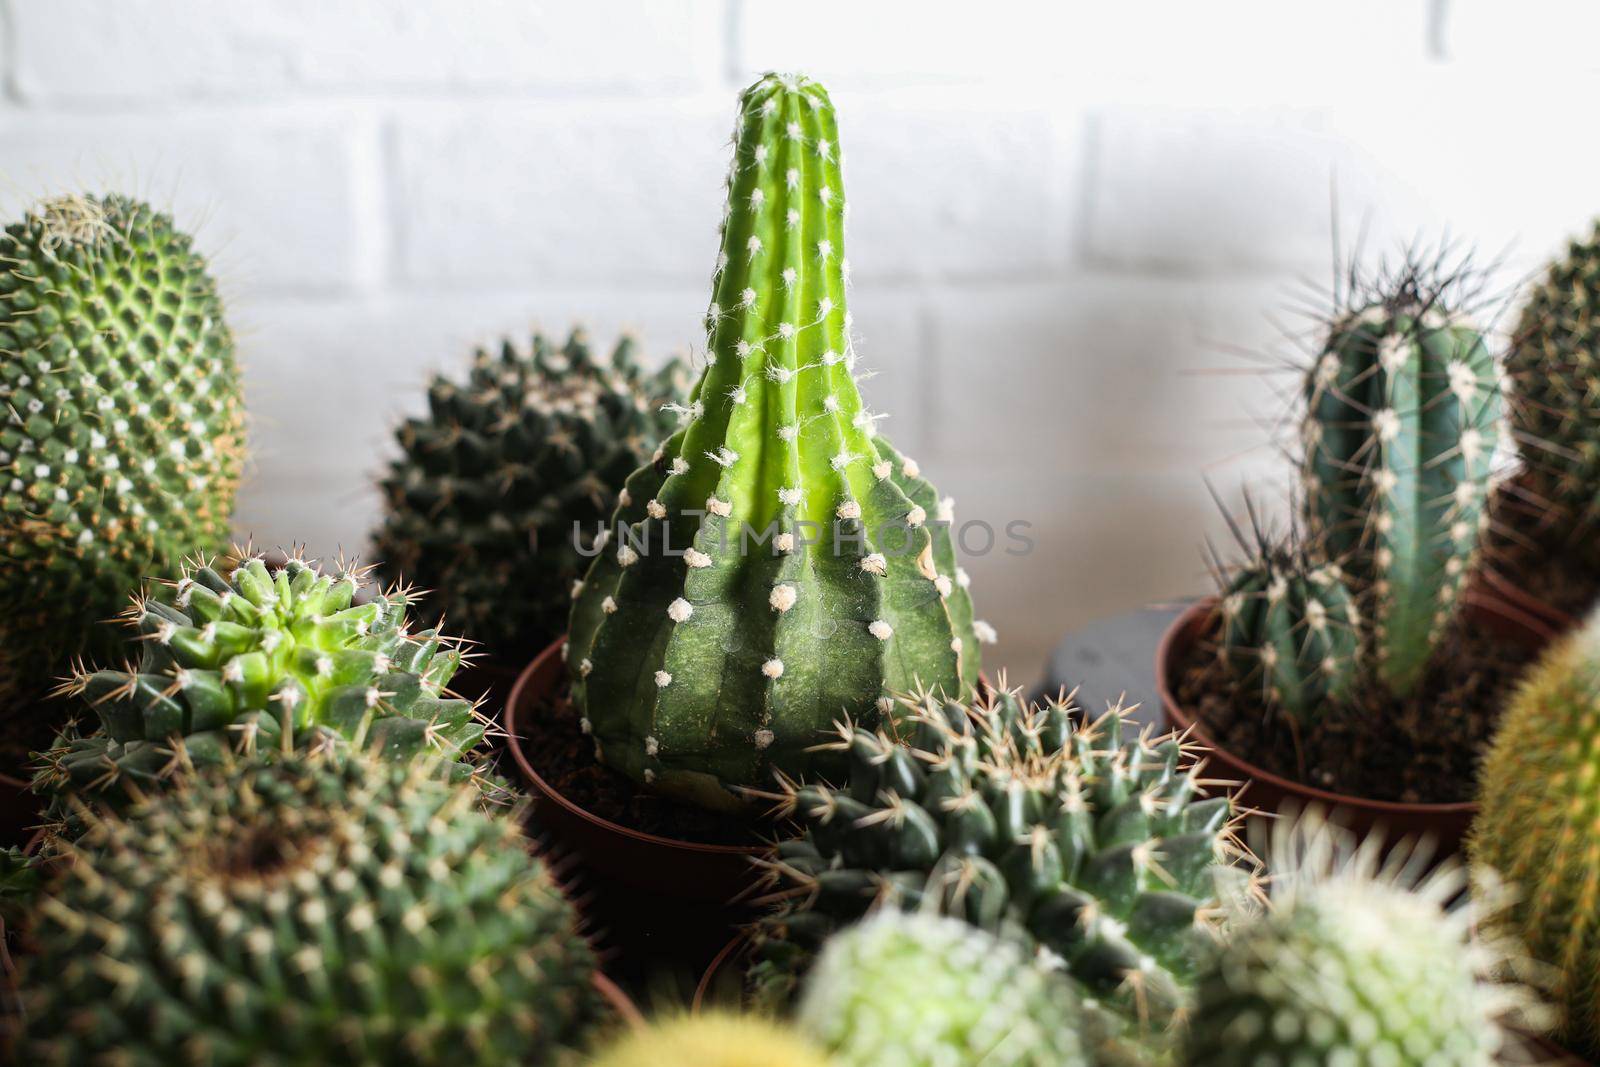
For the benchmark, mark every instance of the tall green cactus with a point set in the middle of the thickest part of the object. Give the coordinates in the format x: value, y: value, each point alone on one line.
x: 777, y: 565
x: 1403, y: 417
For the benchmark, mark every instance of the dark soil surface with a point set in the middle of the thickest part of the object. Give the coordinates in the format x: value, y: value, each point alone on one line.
x: 1421, y: 750
x: 564, y: 757
x: 1541, y: 553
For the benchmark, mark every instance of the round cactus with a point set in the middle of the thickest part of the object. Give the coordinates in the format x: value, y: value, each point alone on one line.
x: 712, y: 1039
x: 123, y: 440
x: 506, y: 469
x: 779, y: 563
x: 1554, y: 367
x: 1539, y: 805
x: 262, y: 662
x: 924, y: 990
x: 1094, y: 841
x: 310, y: 910
x: 1356, y: 965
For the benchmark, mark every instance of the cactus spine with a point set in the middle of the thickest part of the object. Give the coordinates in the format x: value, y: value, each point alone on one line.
x: 311, y: 910
x: 1540, y: 805
x: 123, y: 439
x: 773, y: 567
x: 1403, y: 417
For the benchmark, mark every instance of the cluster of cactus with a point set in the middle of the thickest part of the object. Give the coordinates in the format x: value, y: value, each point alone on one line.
x: 313, y: 909
x: 778, y: 563
x: 1094, y: 841
x: 262, y: 661
x: 123, y: 434
x: 509, y: 469
x: 1536, y: 828
x: 925, y: 990
x: 1403, y: 415
x: 1554, y: 367
x: 1360, y: 961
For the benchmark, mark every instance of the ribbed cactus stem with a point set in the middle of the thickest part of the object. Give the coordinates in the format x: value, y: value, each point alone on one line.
x: 777, y: 570
x: 1291, y: 630
x: 1404, y: 411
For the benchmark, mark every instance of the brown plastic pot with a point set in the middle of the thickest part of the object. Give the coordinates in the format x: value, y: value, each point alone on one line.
x: 1268, y: 793
x: 1490, y: 584
x: 736, y: 947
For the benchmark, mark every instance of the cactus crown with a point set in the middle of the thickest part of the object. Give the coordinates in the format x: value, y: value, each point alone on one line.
x: 123, y: 441
x: 778, y: 562
x: 1403, y: 416
x: 1093, y: 839
x: 508, y: 465
x: 263, y: 661
x: 1539, y: 806
x: 310, y: 910
x: 712, y: 1039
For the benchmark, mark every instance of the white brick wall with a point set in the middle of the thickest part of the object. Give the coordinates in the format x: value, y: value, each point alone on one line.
x: 1065, y: 217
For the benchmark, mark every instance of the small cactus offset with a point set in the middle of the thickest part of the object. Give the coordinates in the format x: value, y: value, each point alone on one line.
x: 778, y: 564
x: 924, y: 990
x: 1539, y: 798
x: 494, y: 483
x: 713, y: 1039
x: 1554, y: 368
x: 310, y: 910
x: 123, y: 436
x: 259, y: 661
x: 1094, y: 840
x: 1358, y: 963
x: 1403, y: 418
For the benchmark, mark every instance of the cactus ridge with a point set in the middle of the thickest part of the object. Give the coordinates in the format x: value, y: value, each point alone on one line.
x: 778, y: 563
x: 1092, y: 838
x: 1403, y: 415
x: 262, y: 661
x: 316, y: 909
x: 509, y: 464
x: 1536, y: 829
x: 123, y: 435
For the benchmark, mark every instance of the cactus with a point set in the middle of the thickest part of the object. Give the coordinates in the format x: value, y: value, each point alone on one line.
x: 1536, y: 827
x: 1554, y: 367
x: 923, y: 990
x: 778, y: 564
x: 262, y: 661
x: 712, y: 1039
x: 1403, y: 417
x: 1093, y: 840
x: 1358, y: 963
x: 124, y: 436
x: 310, y: 910
x: 494, y: 484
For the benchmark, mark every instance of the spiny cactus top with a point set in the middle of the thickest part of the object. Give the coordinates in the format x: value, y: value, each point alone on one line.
x: 1554, y: 366
x: 1094, y: 840
x: 483, y: 503
x: 311, y: 910
x: 1403, y: 417
x: 123, y: 430
x: 263, y: 661
x: 924, y: 990
x: 1357, y: 965
x: 778, y: 564
x: 1540, y: 804
x: 713, y: 1039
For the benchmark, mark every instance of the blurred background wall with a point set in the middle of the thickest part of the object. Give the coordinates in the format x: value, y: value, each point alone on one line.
x: 1069, y: 220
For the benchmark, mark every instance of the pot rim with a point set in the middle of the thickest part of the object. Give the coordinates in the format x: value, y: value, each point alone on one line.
x: 519, y: 694
x: 737, y: 944
x: 620, y: 1002
x: 1185, y: 722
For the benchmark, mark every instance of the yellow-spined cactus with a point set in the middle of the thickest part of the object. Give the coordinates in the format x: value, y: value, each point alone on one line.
x: 713, y: 1039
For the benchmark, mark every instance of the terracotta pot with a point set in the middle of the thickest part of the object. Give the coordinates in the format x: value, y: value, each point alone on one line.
x: 1490, y: 584
x: 1545, y: 1052
x: 1268, y: 793
x: 659, y: 901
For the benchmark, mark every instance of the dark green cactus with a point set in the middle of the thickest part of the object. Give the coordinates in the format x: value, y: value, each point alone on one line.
x: 494, y: 483
x: 1403, y: 417
x: 262, y: 662
x: 1094, y: 840
x: 927, y: 990
x: 315, y: 909
x: 778, y: 565
x: 123, y: 435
